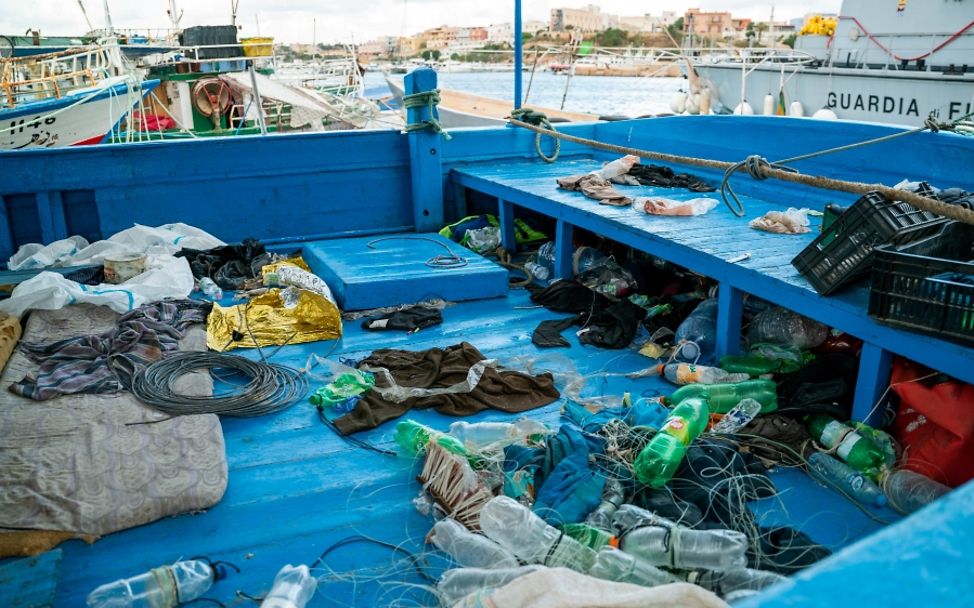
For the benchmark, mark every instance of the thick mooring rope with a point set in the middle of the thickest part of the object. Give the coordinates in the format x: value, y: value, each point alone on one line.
x: 760, y: 168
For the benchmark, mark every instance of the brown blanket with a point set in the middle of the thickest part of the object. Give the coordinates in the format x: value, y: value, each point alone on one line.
x: 508, y: 391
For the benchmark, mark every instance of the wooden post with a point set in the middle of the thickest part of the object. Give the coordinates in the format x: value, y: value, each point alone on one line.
x: 505, y: 213
x: 875, y: 366
x: 564, y: 251
x: 730, y: 307
x: 424, y: 157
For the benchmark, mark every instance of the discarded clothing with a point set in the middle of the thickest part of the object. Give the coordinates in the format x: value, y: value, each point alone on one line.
x: 595, y: 187
x: 667, y: 206
x: 570, y: 491
x: 792, y: 221
x: 564, y: 588
x: 608, y: 278
x: 569, y: 296
x: 785, y: 551
x: 655, y: 175
x: 409, y: 319
x: 76, y: 251
x: 508, y: 391
x: 548, y: 333
x: 107, y: 362
x: 613, y: 327
x: 230, y: 266
x: 777, y: 439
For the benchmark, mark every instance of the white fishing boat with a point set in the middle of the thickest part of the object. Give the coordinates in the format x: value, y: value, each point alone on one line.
x: 890, y: 62
x: 70, y: 98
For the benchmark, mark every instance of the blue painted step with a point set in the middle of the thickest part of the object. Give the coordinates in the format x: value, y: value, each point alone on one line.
x: 394, y: 271
x: 30, y: 582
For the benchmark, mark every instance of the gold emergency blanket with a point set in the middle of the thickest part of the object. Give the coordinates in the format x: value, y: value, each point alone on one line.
x: 285, y: 315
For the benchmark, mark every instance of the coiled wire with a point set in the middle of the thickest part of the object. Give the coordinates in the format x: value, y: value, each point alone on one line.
x: 271, y: 387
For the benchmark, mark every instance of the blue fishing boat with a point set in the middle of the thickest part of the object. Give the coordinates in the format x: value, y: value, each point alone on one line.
x: 363, y: 208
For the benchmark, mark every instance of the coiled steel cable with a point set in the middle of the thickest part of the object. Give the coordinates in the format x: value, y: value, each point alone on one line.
x: 271, y: 387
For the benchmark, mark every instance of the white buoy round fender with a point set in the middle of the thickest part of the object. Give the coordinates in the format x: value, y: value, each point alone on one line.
x: 796, y: 109
x: 693, y: 103
x: 678, y: 103
x: 767, y: 107
x: 825, y: 114
x: 743, y: 108
x: 705, y: 101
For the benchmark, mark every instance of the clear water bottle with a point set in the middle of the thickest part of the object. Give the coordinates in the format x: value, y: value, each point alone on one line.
x: 211, y: 291
x: 908, y: 491
x: 739, y: 416
x: 615, y: 565
x: 629, y: 517
x: 514, y: 527
x: 293, y: 588
x: 697, y: 335
x: 685, y: 549
x: 538, y: 271
x: 612, y: 496
x: 689, y: 373
x: 586, y: 258
x: 847, y: 479
x: 157, y: 588
x: 458, y: 583
x: 469, y: 549
x: 478, y: 436
x: 732, y: 581
x: 786, y: 328
x: 545, y: 262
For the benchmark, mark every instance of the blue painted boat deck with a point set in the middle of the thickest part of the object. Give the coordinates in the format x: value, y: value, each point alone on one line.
x: 374, y: 272
x: 295, y: 488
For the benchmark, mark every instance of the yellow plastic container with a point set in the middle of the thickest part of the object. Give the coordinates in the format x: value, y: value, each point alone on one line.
x: 257, y: 47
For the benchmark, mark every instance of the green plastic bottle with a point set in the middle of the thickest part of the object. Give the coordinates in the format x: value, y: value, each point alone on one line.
x: 723, y: 397
x: 413, y: 438
x: 859, y: 452
x: 591, y: 537
x: 659, y: 460
x: 755, y: 365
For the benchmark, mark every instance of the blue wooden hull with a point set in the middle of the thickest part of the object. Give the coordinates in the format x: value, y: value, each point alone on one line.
x: 295, y: 488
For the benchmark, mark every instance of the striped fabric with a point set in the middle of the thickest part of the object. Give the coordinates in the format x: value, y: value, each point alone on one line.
x: 106, y: 363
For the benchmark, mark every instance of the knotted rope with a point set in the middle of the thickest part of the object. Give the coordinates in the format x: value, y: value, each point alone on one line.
x: 541, y: 121
x: 428, y: 99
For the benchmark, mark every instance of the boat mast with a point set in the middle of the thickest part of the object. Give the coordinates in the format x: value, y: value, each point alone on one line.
x: 84, y: 12
x: 109, y: 30
x: 175, y: 16
x: 518, y: 51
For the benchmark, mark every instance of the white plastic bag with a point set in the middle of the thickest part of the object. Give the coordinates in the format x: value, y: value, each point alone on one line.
x: 165, y: 277
x: 75, y: 251
x: 667, y: 206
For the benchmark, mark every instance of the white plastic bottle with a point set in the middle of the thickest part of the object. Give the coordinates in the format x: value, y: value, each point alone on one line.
x: 514, y: 527
x: 478, y: 436
x: 686, y: 549
x: 614, y: 565
x: 293, y: 588
x: 469, y: 549
x: 732, y: 581
x: 458, y: 583
x: 688, y: 373
x: 157, y: 588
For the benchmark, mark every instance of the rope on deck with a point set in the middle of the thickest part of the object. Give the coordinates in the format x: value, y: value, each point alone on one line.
x: 538, y: 119
x: 760, y: 168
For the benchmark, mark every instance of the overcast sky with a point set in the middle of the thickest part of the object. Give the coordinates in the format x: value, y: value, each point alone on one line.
x: 347, y: 20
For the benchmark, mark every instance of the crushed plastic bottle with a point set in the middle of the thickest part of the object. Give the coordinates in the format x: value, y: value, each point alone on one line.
x: 469, y: 549
x: 163, y: 587
x: 458, y: 583
x: 738, y: 417
x: 696, y: 336
x: 721, y: 398
x: 684, y: 549
x: 661, y: 457
x: 614, y: 565
x: 480, y: 436
x: 689, y: 373
x: 293, y: 588
x: 211, y: 291
x: 612, y: 496
x: 586, y: 258
x: 517, y: 529
x: 413, y: 438
x: 629, y: 517
x: 732, y: 581
x: 786, y: 328
x: 908, y: 491
x: 846, y: 479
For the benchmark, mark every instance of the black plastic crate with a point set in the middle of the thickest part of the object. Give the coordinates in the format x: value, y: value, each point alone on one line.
x: 212, y: 35
x: 844, y: 251
x: 928, y: 285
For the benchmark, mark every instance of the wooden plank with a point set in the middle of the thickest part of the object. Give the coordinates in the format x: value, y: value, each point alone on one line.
x: 730, y: 307
x: 426, y: 168
x: 875, y: 366
x: 30, y: 582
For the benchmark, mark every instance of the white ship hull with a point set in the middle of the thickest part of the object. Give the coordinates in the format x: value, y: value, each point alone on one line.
x: 886, y: 96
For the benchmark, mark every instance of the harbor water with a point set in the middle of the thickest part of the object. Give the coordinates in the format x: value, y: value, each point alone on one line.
x: 603, y: 95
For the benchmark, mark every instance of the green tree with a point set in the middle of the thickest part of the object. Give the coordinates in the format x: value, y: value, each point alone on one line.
x: 525, y: 36
x: 675, y: 29
x: 612, y: 37
x: 760, y: 28
x: 789, y: 40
